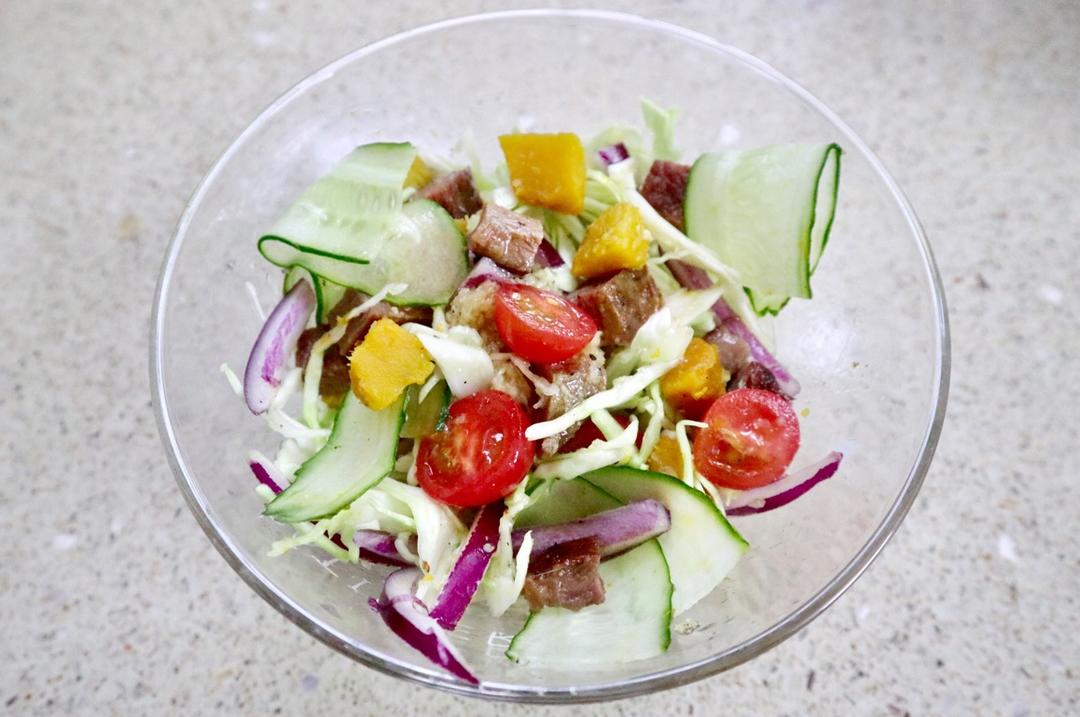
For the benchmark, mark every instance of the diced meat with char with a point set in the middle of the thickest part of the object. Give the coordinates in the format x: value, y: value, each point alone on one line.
x: 665, y: 187
x: 454, y: 192
x: 621, y: 304
x: 507, y: 238
x: 755, y: 375
x: 566, y: 575
x: 359, y: 325
x: 475, y: 307
x: 733, y: 349
x: 571, y: 381
x: 304, y: 343
x: 334, y: 381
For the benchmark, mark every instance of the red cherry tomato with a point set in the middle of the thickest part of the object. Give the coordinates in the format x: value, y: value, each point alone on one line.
x: 540, y: 326
x: 750, y: 440
x: 480, y: 455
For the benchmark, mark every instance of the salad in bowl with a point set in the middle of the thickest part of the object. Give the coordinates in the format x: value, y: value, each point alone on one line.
x: 549, y: 381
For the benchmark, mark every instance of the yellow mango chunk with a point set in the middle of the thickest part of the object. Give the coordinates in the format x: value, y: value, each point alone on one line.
x: 547, y: 170
x: 697, y: 381
x: 387, y: 361
x: 420, y: 175
x: 615, y: 241
x: 666, y: 456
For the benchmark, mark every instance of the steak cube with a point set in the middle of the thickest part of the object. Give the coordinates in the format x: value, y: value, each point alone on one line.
x: 571, y: 382
x: 755, y: 375
x: 507, y: 238
x: 621, y: 305
x: 734, y: 351
x: 359, y: 325
x: 566, y: 575
x: 665, y: 187
x: 454, y: 192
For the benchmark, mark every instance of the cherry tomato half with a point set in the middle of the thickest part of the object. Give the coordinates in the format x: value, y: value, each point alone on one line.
x: 480, y: 455
x: 751, y: 438
x: 541, y: 326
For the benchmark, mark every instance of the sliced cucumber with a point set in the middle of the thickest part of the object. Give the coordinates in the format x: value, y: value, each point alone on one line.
x: 425, y: 417
x: 293, y: 276
x: 767, y: 213
x: 327, y: 294
x: 361, y: 450
x: 331, y: 294
x: 347, y: 212
x: 561, y: 501
x: 701, y: 547
x: 351, y: 228
x: 633, y: 622
x: 423, y: 249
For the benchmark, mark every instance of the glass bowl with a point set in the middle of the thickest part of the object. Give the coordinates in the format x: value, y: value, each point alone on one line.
x: 871, y: 349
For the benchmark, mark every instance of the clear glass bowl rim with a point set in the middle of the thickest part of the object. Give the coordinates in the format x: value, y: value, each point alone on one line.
x: 660, y: 680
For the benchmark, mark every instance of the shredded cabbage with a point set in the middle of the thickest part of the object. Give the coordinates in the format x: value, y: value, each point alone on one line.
x: 690, y: 475
x: 598, y: 454
x: 233, y: 379
x: 683, y: 308
x: 505, y: 574
x: 439, y: 534
x: 308, y: 439
x: 467, y: 145
x: 654, y: 404
x: 459, y: 355
x: 631, y: 138
x: 688, y: 472
x: 374, y: 510
x: 657, y: 347
x: 662, y: 275
x: 661, y: 123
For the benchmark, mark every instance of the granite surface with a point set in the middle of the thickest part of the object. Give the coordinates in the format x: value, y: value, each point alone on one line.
x: 113, y: 602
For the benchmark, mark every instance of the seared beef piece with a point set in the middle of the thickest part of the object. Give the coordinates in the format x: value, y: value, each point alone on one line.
x: 755, y: 375
x: 665, y: 187
x: 359, y: 325
x: 574, y: 380
x: 305, y: 342
x: 475, y: 308
x: 507, y: 238
x: 734, y: 351
x: 454, y: 192
x: 621, y: 304
x: 566, y: 575
x: 335, y: 380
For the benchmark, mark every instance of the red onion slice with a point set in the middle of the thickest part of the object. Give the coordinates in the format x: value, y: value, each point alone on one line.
x: 781, y: 492
x: 486, y: 270
x: 548, y: 256
x: 275, y: 344
x: 380, y: 547
x: 613, y: 154
x: 618, y: 529
x: 407, y: 617
x: 693, y: 277
x: 265, y: 475
x: 469, y: 568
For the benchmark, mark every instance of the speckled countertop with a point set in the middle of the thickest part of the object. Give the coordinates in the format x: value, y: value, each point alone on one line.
x: 113, y: 602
